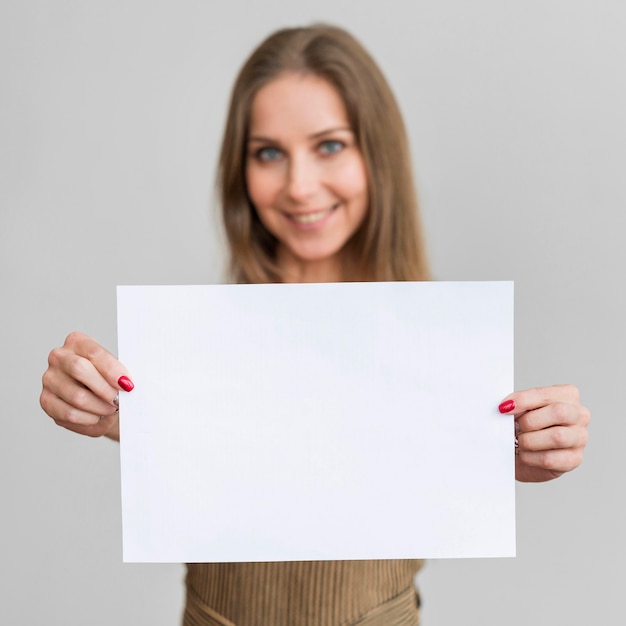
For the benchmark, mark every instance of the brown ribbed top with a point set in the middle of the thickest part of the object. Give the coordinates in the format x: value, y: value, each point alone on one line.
x: 302, y: 593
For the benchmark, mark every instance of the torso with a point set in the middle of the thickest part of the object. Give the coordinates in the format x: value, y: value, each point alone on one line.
x: 302, y: 593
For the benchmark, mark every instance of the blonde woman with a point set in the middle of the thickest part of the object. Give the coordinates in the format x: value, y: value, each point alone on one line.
x: 315, y: 185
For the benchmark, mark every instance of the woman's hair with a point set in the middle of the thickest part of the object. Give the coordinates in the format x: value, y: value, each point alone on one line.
x: 389, y: 244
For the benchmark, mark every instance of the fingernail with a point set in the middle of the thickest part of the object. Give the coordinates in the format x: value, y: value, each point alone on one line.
x: 116, y: 400
x: 507, y: 406
x: 125, y: 383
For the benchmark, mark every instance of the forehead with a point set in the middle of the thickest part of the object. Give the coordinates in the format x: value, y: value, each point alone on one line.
x: 295, y: 104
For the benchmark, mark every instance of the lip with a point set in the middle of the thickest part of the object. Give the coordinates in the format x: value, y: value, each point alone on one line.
x: 311, y: 220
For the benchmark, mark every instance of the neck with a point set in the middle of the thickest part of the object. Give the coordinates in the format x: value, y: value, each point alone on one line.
x: 295, y: 270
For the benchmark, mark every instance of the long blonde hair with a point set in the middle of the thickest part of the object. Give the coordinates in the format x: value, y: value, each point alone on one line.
x: 389, y: 244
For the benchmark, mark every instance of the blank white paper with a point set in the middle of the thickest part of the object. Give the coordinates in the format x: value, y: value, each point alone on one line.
x: 317, y: 421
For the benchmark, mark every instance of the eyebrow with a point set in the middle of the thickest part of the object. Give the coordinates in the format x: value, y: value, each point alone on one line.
x: 321, y: 133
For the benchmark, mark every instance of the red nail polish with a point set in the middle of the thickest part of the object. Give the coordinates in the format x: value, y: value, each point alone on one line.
x: 125, y: 383
x: 507, y: 406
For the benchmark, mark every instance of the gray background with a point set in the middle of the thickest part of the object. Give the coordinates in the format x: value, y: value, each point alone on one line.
x: 111, y: 114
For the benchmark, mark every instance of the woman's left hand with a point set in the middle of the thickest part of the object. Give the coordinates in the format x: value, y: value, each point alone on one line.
x: 551, y: 426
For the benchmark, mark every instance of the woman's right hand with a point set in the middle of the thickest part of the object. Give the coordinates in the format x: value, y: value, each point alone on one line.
x: 81, y: 386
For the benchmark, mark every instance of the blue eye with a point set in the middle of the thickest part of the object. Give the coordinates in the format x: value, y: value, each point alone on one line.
x: 268, y: 154
x: 332, y: 146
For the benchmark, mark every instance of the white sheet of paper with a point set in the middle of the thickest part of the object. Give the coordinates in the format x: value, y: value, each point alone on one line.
x: 318, y: 421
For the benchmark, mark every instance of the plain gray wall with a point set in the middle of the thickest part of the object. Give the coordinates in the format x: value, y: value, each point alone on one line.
x: 111, y: 114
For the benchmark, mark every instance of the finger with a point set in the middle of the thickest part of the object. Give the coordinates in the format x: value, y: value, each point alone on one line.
x: 77, y: 394
x: 80, y: 370
x: 557, y: 461
x: 556, y: 414
x: 63, y: 413
x: 530, y: 399
x: 86, y: 361
x: 104, y: 425
x: 556, y: 438
x: 107, y: 365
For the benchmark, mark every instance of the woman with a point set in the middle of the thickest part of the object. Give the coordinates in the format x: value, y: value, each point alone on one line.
x: 315, y: 182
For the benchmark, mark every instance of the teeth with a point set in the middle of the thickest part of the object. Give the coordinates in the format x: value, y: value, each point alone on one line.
x: 310, y: 218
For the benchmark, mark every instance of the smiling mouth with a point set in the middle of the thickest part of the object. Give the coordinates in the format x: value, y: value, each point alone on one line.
x: 311, y: 218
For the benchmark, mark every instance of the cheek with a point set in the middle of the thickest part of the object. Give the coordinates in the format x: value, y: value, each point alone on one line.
x: 351, y: 181
x: 262, y: 186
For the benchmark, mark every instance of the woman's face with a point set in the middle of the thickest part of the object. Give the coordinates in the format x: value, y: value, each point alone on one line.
x: 305, y: 174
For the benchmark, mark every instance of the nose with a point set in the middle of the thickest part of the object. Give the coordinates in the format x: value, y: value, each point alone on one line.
x: 303, y: 178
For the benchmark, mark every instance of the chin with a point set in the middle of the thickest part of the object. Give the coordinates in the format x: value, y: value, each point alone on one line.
x: 309, y: 255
